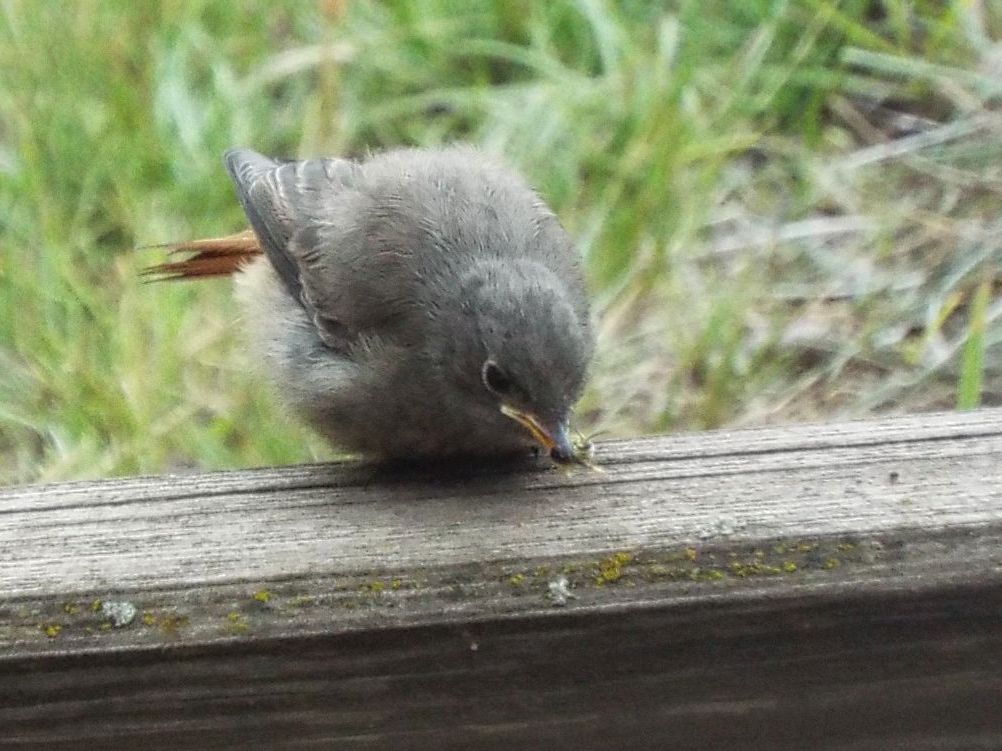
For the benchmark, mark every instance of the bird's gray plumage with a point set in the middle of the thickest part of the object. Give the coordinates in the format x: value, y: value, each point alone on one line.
x: 389, y: 283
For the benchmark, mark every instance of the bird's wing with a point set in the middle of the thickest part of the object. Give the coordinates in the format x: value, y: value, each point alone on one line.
x: 328, y: 242
x: 282, y: 198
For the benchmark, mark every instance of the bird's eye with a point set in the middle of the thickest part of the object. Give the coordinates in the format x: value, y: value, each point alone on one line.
x: 496, y: 380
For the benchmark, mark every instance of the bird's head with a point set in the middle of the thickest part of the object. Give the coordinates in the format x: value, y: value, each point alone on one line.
x: 522, y: 351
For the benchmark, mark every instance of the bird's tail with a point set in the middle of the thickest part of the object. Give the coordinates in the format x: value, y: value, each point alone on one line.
x: 217, y: 256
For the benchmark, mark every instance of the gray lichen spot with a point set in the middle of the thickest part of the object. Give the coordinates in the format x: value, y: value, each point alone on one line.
x: 560, y: 591
x: 120, y: 613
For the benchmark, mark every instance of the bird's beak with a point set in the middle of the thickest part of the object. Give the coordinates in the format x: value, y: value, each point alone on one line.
x: 554, y: 439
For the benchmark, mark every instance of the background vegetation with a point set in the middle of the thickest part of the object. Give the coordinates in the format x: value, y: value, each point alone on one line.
x: 790, y: 210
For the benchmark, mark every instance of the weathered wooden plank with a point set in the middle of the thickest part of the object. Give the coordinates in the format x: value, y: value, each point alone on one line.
x: 835, y: 587
x: 268, y: 523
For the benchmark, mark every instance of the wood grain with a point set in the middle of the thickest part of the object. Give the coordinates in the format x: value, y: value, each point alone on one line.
x: 826, y: 586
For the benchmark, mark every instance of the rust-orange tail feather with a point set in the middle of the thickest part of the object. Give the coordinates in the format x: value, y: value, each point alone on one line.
x: 217, y: 256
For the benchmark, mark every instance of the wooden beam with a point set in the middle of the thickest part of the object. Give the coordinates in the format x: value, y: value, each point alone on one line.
x: 826, y: 586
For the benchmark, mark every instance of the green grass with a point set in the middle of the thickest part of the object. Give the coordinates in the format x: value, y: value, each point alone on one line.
x: 790, y: 210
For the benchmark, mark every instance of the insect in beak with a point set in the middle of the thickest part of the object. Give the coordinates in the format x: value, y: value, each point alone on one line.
x: 556, y: 440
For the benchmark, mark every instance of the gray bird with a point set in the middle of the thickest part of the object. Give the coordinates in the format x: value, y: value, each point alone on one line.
x: 418, y: 304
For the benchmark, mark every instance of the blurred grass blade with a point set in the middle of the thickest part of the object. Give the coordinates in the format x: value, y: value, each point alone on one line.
x: 972, y: 366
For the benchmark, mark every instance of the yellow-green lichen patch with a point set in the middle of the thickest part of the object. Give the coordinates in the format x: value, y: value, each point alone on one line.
x: 709, y: 564
x: 685, y: 555
x: 377, y: 586
x: 98, y: 618
x: 262, y: 596
x: 745, y: 569
x: 169, y: 622
x: 516, y: 580
x: 236, y: 623
x: 611, y: 569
